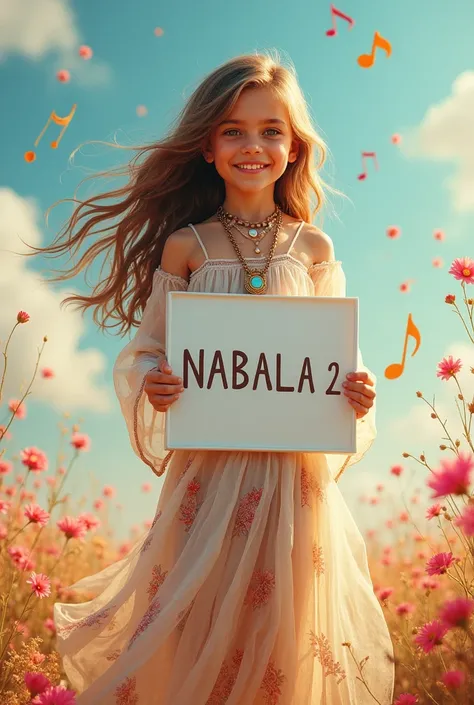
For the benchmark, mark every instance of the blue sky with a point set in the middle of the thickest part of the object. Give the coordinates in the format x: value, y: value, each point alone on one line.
x: 424, y: 91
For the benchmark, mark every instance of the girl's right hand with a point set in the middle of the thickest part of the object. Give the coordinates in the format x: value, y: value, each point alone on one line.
x: 162, y: 387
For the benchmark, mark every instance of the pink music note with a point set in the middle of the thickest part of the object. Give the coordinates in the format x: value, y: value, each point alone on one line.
x: 337, y: 13
x: 366, y: 155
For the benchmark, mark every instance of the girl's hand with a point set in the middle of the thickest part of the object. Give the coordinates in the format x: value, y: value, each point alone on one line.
x: 358, y: 389
x: 161, y: 387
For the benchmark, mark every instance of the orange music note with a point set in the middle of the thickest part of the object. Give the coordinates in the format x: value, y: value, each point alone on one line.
x: 366, y: 155
x: 395, y: 370
x: 337, y: 13
x: 367, y: 60
x: 62, y: 121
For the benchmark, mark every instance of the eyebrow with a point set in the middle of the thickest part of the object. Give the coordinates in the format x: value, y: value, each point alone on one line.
x: 239, y: 122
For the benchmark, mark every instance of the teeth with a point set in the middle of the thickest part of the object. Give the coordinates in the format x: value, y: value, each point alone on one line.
x: 251, y: 168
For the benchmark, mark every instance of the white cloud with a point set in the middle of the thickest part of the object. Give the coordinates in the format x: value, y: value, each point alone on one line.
x: 446, y: 133
x: 77, y: 372
x: 36, y: 28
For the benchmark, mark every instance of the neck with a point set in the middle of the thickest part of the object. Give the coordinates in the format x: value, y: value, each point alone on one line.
x: 253, y: 213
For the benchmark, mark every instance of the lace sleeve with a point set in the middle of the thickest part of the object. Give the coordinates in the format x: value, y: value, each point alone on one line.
x: 329, y: 280
x: 145, y: 425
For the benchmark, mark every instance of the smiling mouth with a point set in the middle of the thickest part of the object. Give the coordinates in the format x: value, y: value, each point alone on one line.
x: 252, y: 170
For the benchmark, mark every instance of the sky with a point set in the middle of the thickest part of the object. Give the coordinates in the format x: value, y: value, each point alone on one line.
x: 423, y: 92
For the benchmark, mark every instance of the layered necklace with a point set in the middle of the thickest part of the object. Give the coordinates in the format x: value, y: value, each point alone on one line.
x: 255, y: 279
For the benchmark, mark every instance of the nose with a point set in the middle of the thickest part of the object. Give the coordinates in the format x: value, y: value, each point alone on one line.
x: 252, y: 149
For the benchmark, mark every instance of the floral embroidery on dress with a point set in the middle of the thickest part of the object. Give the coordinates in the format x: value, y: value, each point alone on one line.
x: 125, y: 693
x: 93, y: 621
x: 149, y: 616
x: 246, y: 512
x: 158, y: 578
x: 190, y: 506
x: 322, y: 650
x: 226, y: 680
x: 149, y: 539
x: 271, y: 684
x: 260, y: 589
x: 114, y: 655
x: 309, y: 485
x: 318, y: 559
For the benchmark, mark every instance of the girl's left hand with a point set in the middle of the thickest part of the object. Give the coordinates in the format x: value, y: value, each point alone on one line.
x: 359, y: 391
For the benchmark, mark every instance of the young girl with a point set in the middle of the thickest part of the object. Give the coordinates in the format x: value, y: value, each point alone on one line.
x: 252, y: 587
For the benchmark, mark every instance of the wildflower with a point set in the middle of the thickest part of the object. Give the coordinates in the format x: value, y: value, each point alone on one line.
x: 22, y: 317
x: 437, y: 262
x: 5, y: 506
x: 453, y: 478
x: 36, y: 515
x: 80, y: 441
x: 462, y: 269
x: 58, y: 695
x: 89, y: 520
x: 47, y: 373
x: 72, y: 528
x: 18, y: 409
x: 20, y: 558
x: 405, y: 608
x: 439, y: 564
x: 456, y: 613
x: 10, y: 491
x: 450, y: 299
x: 466, y: 520
x: 453, y: 679
x: 34, y: 459
x: 5, y: 467
x: 36, y: 683
x: 108, y: 491
x: 50, y: 625
x: 431, y: 635
x: 406, y: 699
x: 448, y: 367
x: 40, y: 584
x: 98, y: 504
x: 404, y: 516
x: 396, y: 470
x: 385, y: 593
x: 433, y: 511
x: 37, y: 657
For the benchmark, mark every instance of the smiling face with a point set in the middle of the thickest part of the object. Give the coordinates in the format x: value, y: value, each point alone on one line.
x: 257, y: 131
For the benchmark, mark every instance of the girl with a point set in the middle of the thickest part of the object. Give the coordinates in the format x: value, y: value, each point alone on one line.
x: 252, y: 587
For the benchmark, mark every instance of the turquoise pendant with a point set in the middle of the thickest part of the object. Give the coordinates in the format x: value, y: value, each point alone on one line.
x: 253, y: 232
x: 255, y: 282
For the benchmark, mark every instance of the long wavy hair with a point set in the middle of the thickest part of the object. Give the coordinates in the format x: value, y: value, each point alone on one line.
x: 170, y: 184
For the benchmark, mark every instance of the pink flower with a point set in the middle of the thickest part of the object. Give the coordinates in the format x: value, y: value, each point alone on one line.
x: 456, y: 613
x: 431, y: 635
x: 439, y: 564
x: 466, y: 520
x: 72, y: 528
x: 34, y: 459
x: 10, y: 491
x: 22, y: 317
x: 47, y: 373
x: 385, y: 593
x: 406, y: 699
x: 18, y: 409
x: 5, y: 467
x: 50, y: 625
x: 36, y: 683
x: 396, y: 470
x: 433, y: 511
x: 404, y: 516
x: 437, y: 262
x: 453, y: 679
x: 98, y: 504
x: 80, y: 441
x: 89, y: 520
x: 20, y: 558
x: 462, y: 269
x: 405, y: 608
x: 40, y: 584
x: 35, y: 514
x: 5, y: 506
x: 37, y: 657
x: 439, y: 235
x: 57, y: 696
x: 453, y: 478
x: 108, y: 491
x: 447, y: 368
x: 450, y: 298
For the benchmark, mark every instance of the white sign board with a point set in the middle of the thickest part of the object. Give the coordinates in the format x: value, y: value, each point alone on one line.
x: 261, y: 373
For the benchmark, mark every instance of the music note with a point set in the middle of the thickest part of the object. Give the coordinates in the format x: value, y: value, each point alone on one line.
x: 367, y: 60
x: 30, y: 156
x: 367, y: 155
x: 337, y: 13
x: 395, y: 370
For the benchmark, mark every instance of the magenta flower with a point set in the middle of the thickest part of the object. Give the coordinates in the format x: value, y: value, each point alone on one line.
x: 5, y: 506
x: 18, y: 409
x: 453, y: 679
x: 5, y: 467
x: 406, y: 699
x: 456, y: 613
x: 453, y: 478
x: 80, y: 441
x: 72, y: 528
x: 47, y: 372
x: 466, y: 520
x: 36, y: 683
x: 22, y: 317
x: 431, y: 635
x: 439, y: 564
x: 405, y: 608
x: 385, y: 593
x: 57, y: 696
x: 447, y: 368
x: 89, y: 520
x: 34, y: 459
x: 462, y: 269
x: 20, y: 558
x: 36, y: 515
x: 40, y: 584
x: 433, y: 511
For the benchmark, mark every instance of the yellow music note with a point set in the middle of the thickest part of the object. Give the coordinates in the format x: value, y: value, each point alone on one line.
x: 367, y: 60
x: 62, y: 121
x: 395, y: 370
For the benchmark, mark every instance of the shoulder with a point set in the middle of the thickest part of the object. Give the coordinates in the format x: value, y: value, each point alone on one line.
x: 177, y: 251
x: 318, y: 243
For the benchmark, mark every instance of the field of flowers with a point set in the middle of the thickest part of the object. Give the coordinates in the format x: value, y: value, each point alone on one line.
x: 423, y: 578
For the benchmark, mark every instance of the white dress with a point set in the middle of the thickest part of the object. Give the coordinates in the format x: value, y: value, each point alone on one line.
x: 254, y: 572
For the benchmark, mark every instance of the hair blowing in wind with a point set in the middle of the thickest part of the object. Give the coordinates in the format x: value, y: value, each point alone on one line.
x: 170, y: 184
